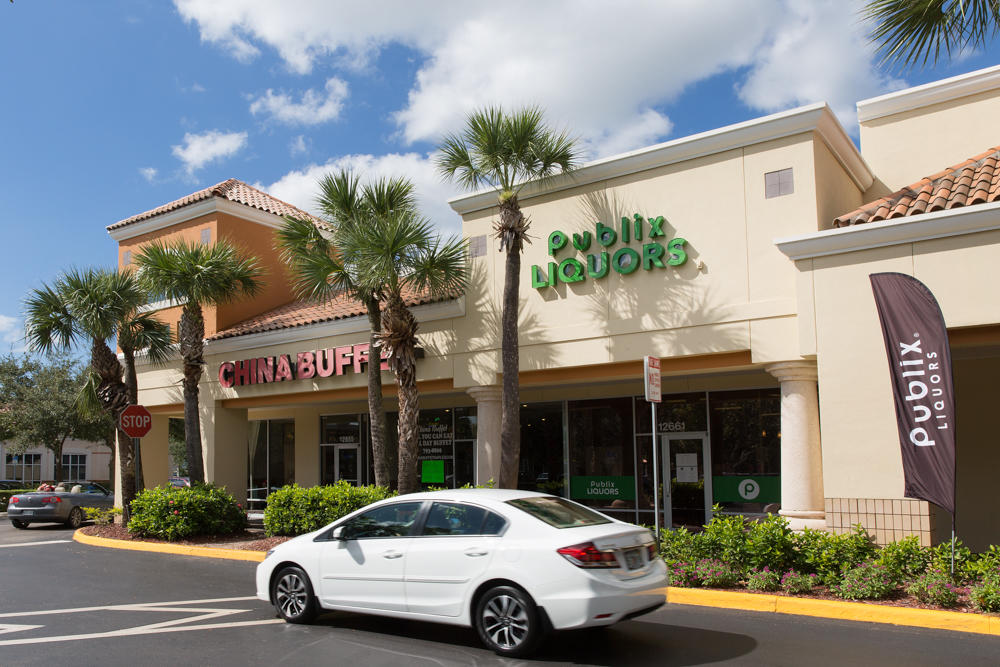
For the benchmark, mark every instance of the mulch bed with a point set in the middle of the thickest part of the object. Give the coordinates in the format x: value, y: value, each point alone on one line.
x: 248, y: 540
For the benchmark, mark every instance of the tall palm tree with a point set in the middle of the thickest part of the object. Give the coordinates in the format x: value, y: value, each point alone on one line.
x: 400, y: 254
x: 505, y: 151
x: 96, y: 306
x: 196, y: 275
x: 911, y: 31
x: 318, y: 272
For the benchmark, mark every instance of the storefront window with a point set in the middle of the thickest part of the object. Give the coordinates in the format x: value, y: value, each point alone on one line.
x: 271, y: 459
x: 340, y: 449
x: 746, y: 450
x: 601, y: 449
x: 542, y: 453
x: 74, y: 467
x: 676, y: 413
x: 436, y: 449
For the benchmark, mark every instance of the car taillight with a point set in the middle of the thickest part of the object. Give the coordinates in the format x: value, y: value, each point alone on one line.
x: 52, y: 499
x: 588, y: 555
x: 651, y: 551
x: 15, y: 500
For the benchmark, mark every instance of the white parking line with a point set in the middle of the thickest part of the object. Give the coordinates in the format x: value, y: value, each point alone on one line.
x: 31, y: 544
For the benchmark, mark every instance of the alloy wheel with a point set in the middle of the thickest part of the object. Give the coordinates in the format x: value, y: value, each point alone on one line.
x: 505, y: 621
x: 291, y: 595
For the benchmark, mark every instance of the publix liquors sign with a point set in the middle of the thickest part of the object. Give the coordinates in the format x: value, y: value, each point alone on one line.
x: 636, y: 242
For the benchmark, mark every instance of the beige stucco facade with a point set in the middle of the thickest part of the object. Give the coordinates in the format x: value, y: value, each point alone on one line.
x: 768, y: 298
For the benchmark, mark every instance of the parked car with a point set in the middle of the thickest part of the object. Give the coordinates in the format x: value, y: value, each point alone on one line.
x: 179, y: 481
x: 12, y: 484
x: 58, y: 506
x: 511, y: 564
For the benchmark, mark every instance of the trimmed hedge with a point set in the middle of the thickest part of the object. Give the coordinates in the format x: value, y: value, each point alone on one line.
x: 174, y: 513
x: 294, y: 510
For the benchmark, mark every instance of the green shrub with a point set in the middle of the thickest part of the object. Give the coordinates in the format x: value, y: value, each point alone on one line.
x: 868, y: 581
x: 294, y: 510
x: 102, y: 516
x: 829, y: 555
x: 985, y: 594
x: 769, y: 544
x: 716, y: 574
x: 797, y: 583
x: 173, y: 513
x: 982, y: 565
x: 682, y: 574
x: 905, y: 560
x: 964, y: 559
x: 680, y: 546
x: 725, y: 539
x: 765, y: 580
x: 934, y: 587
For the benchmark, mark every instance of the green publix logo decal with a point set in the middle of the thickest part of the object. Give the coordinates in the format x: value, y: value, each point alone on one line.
x: 624, y: 260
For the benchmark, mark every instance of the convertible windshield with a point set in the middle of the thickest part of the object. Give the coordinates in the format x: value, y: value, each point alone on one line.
x: 559, y: 512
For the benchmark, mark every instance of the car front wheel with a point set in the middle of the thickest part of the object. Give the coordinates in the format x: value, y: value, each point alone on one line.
x: 75, y: 519
x: 508, y: 621
x: 20, y: 525
x: 293, y: 596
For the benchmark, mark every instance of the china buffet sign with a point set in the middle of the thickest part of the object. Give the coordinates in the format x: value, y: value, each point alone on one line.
x: 654, y: 251
x: 282, y: 368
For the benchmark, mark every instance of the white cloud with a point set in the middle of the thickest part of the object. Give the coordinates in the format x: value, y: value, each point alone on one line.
x: 11, y: 335
x: 607, y: 73
x: 198, y: 150
x: 197, y: 88
x: 298, y: 145
x: 149, y: 173
x: 299, y: 187
x: 314, y: 108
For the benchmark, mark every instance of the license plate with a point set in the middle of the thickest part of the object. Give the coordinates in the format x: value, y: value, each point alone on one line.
x: 633, y: 558
x: 27, y: 512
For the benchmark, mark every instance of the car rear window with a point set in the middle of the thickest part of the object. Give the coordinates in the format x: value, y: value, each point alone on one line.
x: 559, y: 512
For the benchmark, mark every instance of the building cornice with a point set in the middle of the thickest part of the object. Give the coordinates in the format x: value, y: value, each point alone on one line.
x: 192, y: 211
x: 911, y: 229
x: 929, y: 93
x: 813, y: 118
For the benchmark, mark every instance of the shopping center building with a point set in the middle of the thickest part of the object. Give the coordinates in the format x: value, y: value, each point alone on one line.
x: 740, y: 257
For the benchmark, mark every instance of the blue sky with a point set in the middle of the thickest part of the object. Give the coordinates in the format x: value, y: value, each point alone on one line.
x: 111, y: 108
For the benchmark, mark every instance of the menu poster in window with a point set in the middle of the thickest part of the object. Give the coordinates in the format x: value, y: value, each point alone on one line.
x: 436, y: 441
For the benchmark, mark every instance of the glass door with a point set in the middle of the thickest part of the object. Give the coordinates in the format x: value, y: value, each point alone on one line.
x: 687, y: 491
x: 346, y: 463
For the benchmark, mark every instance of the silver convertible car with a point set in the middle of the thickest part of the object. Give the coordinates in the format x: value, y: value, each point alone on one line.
x: 58, y: 506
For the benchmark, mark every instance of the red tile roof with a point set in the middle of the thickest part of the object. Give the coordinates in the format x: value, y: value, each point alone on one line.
x: 303, y: 312
x: 233, y: 190
x: 975, y: 181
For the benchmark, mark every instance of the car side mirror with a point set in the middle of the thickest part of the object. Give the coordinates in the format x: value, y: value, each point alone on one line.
x: 338, y: 534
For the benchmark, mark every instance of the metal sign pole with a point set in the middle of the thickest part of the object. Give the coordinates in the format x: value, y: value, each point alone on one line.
x: 656, y: 473
x: 135, y: 464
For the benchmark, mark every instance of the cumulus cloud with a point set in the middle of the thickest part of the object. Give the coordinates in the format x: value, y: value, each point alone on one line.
x: 314, y: 108
x: 298, y: 145
x: 197, y: 150
x: 609, y: 73
x: 299, y: 187
x: 11, y: 334
x: 149, y: 173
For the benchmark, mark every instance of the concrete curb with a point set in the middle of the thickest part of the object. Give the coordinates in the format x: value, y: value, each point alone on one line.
x: 845, y: 611
x: 177, y: 549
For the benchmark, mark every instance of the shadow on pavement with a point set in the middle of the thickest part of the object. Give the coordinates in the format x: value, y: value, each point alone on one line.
x: 628, y: 643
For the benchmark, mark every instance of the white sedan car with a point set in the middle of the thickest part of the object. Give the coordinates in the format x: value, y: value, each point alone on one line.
x: 512, y: 564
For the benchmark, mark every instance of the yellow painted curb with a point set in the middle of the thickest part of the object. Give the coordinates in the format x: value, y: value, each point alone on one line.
x: 847, y: 611
x: 179, y: 549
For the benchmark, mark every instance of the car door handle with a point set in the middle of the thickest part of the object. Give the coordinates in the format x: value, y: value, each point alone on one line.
x: 474, y: 551
x: 392, y: 553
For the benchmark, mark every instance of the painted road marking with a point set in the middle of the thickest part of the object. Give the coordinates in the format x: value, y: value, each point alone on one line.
x: 184, y: 624
x: 31, y: 544
x: 10, y: 627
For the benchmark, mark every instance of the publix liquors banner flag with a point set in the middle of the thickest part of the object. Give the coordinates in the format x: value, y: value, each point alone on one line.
x: 916, y: 343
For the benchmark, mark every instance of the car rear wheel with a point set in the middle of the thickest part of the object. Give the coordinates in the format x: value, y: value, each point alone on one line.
x: 20, y: 525
x: 75, y: 519
x: 508, y: 621
x: 293, y: 596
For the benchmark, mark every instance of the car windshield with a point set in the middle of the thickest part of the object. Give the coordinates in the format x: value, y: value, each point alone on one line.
x: 559, y: 512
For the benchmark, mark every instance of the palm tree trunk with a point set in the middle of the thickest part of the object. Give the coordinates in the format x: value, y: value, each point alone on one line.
x: 376, y: 410
x: 113, y: 395
x: 192, y: 337
x: 126, y: 471
x: 399, y: 335
x: 512, y: 223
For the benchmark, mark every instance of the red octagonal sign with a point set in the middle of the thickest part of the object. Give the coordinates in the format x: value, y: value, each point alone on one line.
x: 136, y: 421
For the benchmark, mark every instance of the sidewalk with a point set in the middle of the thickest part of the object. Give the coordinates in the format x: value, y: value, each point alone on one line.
x: 832, y: 609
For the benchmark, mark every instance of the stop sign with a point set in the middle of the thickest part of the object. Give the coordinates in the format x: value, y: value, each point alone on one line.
x: 136, y: 421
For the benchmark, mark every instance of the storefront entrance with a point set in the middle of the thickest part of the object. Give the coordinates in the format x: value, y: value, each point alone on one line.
x: 270, y: 459
x: 687, y: 498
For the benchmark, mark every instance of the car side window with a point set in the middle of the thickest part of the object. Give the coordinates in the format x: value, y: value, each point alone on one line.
x: 387, y: 521
x: 460, y: 519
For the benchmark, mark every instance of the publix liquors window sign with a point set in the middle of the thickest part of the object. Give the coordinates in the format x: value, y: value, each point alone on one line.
x: 636, y: 242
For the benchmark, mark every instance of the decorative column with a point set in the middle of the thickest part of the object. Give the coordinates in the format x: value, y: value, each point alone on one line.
x: 487, y: 432
x: 801, y: 454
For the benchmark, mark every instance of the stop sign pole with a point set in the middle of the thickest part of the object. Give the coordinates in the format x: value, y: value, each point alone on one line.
x: 651, y: 380
x: 135, y: 422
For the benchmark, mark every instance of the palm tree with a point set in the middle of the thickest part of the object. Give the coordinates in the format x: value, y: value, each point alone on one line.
x: 908, y: 31
x: 505, y: 151
x: 399, y: 254
x: 98, y: 305
x: 196, y: 275
x: 318, y: 272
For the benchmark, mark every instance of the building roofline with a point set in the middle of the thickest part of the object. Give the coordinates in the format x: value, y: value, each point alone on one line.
x: 817, y: 118
x: 927, y: 94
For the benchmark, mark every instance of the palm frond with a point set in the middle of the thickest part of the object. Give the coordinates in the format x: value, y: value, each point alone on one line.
x: 202, y: 274
x: 442, y: 268
x: 49, y: 325
x: 386, y: 195
x: 339, y: 196
x: 142, y: 331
